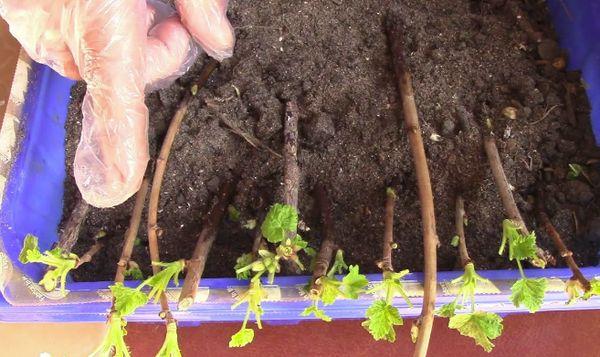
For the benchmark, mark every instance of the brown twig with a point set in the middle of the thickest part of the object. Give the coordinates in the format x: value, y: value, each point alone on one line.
x: 87, y: 256
x: 206, y: 238
x: 459, y: 221
x: 291, y: 171
x: 388, y: 236
x: 564, y: 252
x: 70, y: 233
x: 250, y: 139
x: 325, y: 254
x: 159, y: 171
x: 430, y: 239
x: 132, y: 232
x: 506, y: 196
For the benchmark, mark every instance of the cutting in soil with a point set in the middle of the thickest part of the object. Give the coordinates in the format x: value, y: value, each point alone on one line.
x: 419, y: 136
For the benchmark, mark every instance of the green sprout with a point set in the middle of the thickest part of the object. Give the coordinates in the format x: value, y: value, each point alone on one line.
x: 575, y: 170
x: 481, y: 326
x: 234, y: 213
x: 170, y: 347
x: 525, y: 291
x: 61, y: 262
x: 113, y: 343
x: 331, y: 288
x: 253, y: 297
x: 382, y: 316
x: 575, y: 290
x: 280, y: 223
x: 160, y: 280
x: 133, y: 272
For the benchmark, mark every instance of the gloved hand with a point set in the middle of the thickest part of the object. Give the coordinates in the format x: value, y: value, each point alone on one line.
x: 119, y: 48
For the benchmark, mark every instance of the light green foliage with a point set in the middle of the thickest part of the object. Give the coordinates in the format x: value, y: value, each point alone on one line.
x: 243, y: 261
x: 455, y: 241
x: 253, y: 297
x: 55, y: 258
x: 575, y: 171
x: 382, y: 316
x: 242, y: 338
x: 468, y: 283
x: 594, y: 290
x: 170, y: 347
x: 280, y: 220
x: 159, y: 281
x: 234, y: 213
x: 113, y: 343
x: 381, y: 319
x: 330, y: 288
x: 480, y: 326
x: 127, y: 300
x: 314, y: 309
x: 529, y: 293
x: 134, y: 273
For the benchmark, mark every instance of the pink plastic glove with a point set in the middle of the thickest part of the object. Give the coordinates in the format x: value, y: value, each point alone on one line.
x: 119, y: 48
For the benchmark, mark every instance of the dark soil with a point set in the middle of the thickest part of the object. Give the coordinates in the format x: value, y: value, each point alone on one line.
x: 469, y: 60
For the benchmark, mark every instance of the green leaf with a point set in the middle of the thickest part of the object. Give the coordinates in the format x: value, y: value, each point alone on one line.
x: 242, y: 262
x: 339, y: 266
x: 392, y: 286
x: 523, y: 247
x: 480, y: 326
x: 253, y: 297
x: 30, y: 248
x: 381, y: 319
x: 575, y: 171
x: 353, y: 283
x: 170, y: 347
x: 455, y: 241
x: 242, y: 338
x: 127, y: 300
x: 113, y: 343
x: 468, y: 283
x: 315, y: 310
x: 448, y: 310
x: 330, y: 290
x: 134, y: 273
x: 529, y: 293
x: 594, y: 290
x: 280, y: 220
x: 160, y: 280
x: 234, y: 214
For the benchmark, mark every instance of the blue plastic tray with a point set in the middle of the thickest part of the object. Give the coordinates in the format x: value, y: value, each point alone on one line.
x: 32, y: 203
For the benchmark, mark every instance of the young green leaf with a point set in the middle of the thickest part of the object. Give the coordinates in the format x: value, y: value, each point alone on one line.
x: 353, y: 283
x: 159, y: 281
x: 392, y: 286
x: 339, y: 266
x: 575, y: 171
x: 330, y: 290
x: 468, y: 283
x: 522, y: 247
x: 574, y: 290
x: 127, y: 300
x: 455, y: 241
x: 113, y: 343
x: 448, y: 310
x: 62, y: 263
x: 234, y: 214
x: 480, y: 326
x: 240, y: 263
x: 134, y: 272
x: 253, y: 297
x: 170, y: 347
x: 381, y: 319
x: 280, y: 220
x: 242, y: 338
x: 315, y: 310
x: 594, y: 290
x: 529, y: 293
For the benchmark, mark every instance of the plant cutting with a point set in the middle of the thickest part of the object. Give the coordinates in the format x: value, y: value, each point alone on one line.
x: 382, y: 315
x: 430, y: 241
x: 324, y: 286
x: 481, y: 326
